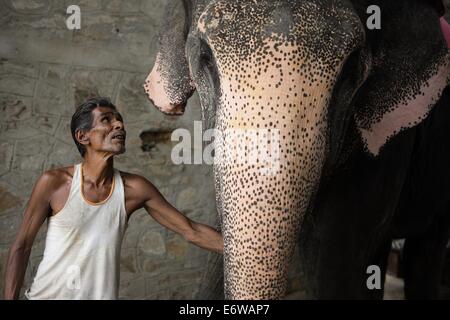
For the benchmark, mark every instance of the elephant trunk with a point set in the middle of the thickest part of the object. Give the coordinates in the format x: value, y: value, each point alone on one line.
x: 264, y: 195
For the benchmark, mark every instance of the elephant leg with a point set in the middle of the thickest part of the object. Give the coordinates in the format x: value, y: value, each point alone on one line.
x: 424, y: 218
x: 424, y: 260
x: 349, y: 226
x: 340, y: 248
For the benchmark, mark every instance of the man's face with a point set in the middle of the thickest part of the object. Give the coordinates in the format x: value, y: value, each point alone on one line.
x: 108, y: 132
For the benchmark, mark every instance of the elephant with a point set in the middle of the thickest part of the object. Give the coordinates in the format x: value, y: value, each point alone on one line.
x: 361, y: 123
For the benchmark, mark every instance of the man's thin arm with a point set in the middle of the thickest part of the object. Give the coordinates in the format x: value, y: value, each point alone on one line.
x: 36, y: 212
x: 164, y: 213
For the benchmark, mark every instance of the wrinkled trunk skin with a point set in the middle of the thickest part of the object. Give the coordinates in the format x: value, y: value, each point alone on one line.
x: 262, y: 211
x: 276, y: 79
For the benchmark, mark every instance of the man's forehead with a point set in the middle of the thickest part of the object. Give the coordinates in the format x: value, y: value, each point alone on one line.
x: 102, y: 110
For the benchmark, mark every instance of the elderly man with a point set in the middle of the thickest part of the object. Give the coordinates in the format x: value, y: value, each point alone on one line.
x: 88, y: 206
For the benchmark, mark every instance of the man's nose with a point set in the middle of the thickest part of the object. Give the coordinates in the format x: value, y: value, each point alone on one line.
x: 118, y: 125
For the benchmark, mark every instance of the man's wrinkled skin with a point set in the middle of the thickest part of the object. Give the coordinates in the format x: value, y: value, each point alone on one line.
x: 347, y: 102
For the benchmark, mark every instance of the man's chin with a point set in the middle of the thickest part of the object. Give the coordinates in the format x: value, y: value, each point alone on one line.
x: 121, y: 151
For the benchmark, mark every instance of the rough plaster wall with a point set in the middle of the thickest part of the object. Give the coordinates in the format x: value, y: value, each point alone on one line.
x: 45, y: 71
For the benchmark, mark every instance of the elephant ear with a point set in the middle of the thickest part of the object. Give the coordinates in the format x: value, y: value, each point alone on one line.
x: 410, y: 69
x: 169, y: 85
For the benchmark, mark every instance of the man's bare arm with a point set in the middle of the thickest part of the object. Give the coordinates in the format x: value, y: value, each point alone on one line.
x: 37, y: 209
x: 164, y: 213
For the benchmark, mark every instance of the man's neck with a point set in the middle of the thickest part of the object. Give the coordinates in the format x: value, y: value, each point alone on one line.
x: 97, y: 170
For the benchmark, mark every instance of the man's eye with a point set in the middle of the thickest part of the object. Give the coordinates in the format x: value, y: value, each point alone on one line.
x: 105, y: 118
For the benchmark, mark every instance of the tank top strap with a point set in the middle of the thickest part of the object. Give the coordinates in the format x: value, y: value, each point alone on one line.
x: 119, y: 188
x: 76, y: 180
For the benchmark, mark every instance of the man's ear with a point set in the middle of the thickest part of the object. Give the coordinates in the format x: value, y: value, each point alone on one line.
x: 82, y: 137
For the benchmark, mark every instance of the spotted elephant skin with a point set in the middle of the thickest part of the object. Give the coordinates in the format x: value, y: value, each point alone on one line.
x: 345, y: 103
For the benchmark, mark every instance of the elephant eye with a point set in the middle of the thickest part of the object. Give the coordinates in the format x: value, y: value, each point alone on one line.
x: 206, y: 55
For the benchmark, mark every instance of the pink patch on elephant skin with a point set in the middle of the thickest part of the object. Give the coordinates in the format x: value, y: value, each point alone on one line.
x: 408, y: 114
x: 445, y: 27
x: 154, y: 87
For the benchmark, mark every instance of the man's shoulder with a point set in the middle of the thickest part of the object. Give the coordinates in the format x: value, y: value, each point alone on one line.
x: 58, y: 175
x: 132, y: 178
x: 53, y: 180
x: 136, y: 183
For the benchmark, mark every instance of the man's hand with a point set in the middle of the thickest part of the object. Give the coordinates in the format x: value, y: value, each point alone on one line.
x: 140, y: 192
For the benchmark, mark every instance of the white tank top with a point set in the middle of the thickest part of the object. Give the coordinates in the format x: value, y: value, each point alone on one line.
x: 82, y: 249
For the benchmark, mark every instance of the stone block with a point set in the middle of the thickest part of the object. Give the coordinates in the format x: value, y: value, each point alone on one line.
x: 176, y: 248
x: 96, y: 30
x: 154, y: 294
x: 54, y: 74
x: 150, y: 265
x: 85, y: 5
x: 20, y: 68
x: 15, y: 108
x: 8, y: 200
x: 6, y: 153
x: 46, y: 123
x: 124, y: 42
x: 183, y: 292
x: 152, y: 243
x: 35, y: 163
x: 22, y: 180
x: 196, y: 258
x: 138, y: 225
x: 51, y: 100
x: 30, y: 6
x: 36, y: 146
x: 51, y: 91
x: 17, y: 84
x: 9, y: 224
x: 177, y: 284
x: 3, y: 257
x: 188, y: 198
x: 19, y: 130
x: 122, y: 7
x: 131, y: 236
x: 126, y: 276
x: 63, y: 132
x: 85, y: 82
x: 62, y: 155
x: 128, y: 260
x: 132, y: 289
x: 154, y: 9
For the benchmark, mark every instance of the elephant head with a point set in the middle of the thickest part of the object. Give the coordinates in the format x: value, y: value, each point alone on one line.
x: 307, y: 71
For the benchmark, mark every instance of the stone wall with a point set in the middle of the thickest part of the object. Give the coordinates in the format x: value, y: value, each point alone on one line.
x: 45, y: 71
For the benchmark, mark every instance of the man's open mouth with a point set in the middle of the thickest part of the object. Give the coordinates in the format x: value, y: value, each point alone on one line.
x: 119, y: 136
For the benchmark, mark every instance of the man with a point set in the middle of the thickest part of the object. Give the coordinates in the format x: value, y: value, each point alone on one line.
x: 87, y: 206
